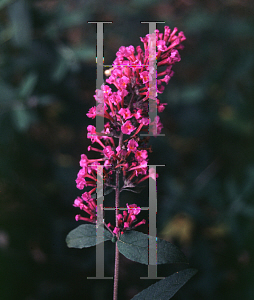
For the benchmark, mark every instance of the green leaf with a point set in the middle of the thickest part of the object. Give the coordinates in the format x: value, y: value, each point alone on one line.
x: 20, y: 20
x: 22, y: 117
x: 108, y: 191
x: 85, y: 236
x: 28, y: 85
x: 4, y: 3
x: 105, y: 192
x: 8, y: 94
x: 60, y: 70
x: 137, y: 190
x: 134, y: 246
x: 84, y: 52
x: 166, y: 288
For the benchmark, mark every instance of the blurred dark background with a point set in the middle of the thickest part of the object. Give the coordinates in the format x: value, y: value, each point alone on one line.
x: 205, y: 191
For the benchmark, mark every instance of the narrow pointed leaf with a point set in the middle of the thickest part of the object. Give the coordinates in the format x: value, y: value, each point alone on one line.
x: 108, y: 191
x: 166, y: 288
x: 85, y: 236
x: 137, y: 189
x: 105, y: 192
x: 134, y: 246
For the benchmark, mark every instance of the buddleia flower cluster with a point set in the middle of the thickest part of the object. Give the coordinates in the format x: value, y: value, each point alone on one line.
x: 124, y: 104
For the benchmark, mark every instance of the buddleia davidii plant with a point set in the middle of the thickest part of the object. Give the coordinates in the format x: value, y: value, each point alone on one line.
x: 123, y: 161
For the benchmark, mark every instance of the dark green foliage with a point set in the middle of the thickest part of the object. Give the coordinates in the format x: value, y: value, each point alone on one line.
x: 85, y: 236
x: 114, y: 239
x: 166, y: 288
x: 134, y: 245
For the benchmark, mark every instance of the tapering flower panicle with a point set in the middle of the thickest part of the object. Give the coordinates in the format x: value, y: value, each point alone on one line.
x: 125, y: 107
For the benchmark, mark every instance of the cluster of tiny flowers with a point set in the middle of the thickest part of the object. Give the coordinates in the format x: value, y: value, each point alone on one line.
x: 125, y: 105
x: 90, y: 207
x: 126, y: 220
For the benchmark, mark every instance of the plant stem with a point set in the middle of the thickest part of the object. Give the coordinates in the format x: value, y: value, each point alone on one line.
x: 116, y: 274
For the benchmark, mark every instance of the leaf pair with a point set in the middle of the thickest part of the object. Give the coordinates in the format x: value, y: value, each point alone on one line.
x: 132, y: 244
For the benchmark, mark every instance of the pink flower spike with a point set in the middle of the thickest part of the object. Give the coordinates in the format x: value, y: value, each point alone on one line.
x: 127, y: 127
x: 126, y: 108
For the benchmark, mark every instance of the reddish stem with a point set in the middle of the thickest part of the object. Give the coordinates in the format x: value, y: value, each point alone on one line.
x: 116, y: 274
